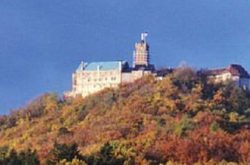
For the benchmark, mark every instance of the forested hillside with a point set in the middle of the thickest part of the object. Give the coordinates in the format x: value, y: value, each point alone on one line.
x: 182, y: 119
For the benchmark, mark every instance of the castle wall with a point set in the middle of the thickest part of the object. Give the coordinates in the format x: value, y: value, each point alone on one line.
x: 227, y: 76
x: 88, y: 82
x: 134, y: 75
x: 223, y: 77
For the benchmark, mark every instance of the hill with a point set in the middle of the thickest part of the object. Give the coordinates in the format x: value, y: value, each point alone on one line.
x: 180, y: 119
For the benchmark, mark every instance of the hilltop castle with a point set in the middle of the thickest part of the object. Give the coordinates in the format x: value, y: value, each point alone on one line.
x: 95, y: 76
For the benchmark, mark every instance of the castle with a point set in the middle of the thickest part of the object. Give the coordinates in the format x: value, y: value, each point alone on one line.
x: 95, y: 76
x: 235, y: 73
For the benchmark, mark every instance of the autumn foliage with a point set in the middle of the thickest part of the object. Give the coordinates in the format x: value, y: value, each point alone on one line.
x: 182, y: 119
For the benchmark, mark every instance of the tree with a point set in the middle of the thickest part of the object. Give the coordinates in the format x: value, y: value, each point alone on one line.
x: 11, y: 157
x: 185, y: 77
x: 106, y: 156
x: 28, y: 157
x: 63, y: 152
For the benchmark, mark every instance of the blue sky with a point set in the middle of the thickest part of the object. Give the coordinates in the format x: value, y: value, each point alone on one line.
x: 43, y: 41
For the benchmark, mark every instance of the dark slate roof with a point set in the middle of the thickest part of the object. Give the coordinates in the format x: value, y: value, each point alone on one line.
x: 238, y: 70
x: 234, y: 69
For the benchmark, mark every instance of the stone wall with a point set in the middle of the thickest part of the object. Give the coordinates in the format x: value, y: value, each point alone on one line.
x: 88, y: 82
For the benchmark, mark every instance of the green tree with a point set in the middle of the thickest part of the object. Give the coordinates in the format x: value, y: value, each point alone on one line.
x: 28, y: 157
x: 106, y: 156
x: 63, y: 152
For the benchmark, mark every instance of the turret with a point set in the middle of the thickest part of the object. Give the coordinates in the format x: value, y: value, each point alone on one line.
x: 141, y: 53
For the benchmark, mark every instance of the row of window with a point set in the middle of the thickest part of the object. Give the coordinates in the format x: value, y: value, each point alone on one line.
x: 101, y: 79
x: 96, y: 80
x: 97, y: 86
x: 104, y: 85
x: 95, y: 73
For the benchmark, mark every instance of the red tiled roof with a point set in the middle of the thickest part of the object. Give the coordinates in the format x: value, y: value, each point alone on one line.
x: 234, y: 69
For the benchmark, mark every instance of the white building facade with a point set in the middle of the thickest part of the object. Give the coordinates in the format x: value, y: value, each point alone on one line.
x: 234, y: 72
x: 92, y: 77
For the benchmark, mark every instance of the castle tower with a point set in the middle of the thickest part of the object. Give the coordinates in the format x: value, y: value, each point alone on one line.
x: 141, y: 53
